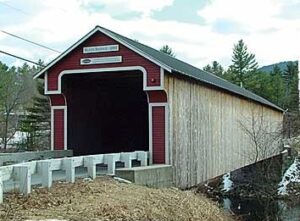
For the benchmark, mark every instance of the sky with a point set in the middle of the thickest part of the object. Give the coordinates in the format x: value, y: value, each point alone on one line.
x: 199, y: 31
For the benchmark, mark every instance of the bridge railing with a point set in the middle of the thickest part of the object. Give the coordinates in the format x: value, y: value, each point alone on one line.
x: 19, y: 157
x: 22, y: 172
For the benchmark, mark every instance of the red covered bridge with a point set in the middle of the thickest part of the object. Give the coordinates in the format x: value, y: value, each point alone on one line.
x: 112, y: 94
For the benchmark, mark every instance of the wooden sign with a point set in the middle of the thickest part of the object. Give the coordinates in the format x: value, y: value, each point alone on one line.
x: 101, y: 60
x: 100, y: 49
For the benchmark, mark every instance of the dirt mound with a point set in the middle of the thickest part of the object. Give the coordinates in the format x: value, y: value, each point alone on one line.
x: 107, y: 199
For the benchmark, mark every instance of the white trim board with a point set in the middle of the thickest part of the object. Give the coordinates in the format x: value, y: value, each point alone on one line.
x: 89, y: 34
x: 65, y: 125
x: 115, y: 69
x: 167, y: 152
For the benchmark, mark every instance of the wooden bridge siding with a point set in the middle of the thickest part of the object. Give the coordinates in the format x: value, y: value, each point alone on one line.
x: 205, y: 136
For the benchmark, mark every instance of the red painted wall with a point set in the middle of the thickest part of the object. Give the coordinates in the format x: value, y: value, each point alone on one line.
x: 157, y: 96
x: 57, y: 100
x: 58, y: 129
x: 130, y: 58
x: 158, y: 134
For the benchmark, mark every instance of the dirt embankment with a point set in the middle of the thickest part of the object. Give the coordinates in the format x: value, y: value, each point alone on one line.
x: 107, y: 199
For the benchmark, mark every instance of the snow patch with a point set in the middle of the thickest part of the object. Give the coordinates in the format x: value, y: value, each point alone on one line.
x: 18, y: 137
x: 227, y: 182
x: 292, y: 175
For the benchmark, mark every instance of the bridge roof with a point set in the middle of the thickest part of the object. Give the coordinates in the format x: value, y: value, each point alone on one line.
x: 169, y: 63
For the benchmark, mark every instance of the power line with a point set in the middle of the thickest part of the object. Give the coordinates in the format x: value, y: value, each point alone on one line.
x: 32, y: 42
x: 18, y: 57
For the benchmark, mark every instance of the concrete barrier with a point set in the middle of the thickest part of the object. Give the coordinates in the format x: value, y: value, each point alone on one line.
x: 152, y: 176
x: 22, y: 172
x: 18, y: 157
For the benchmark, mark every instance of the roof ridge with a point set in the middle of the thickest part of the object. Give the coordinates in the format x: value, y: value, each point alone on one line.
x: 168, y: 63
x: 267, y: 102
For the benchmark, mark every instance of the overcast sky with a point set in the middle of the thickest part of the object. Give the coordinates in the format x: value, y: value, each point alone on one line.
x: 199, y: 31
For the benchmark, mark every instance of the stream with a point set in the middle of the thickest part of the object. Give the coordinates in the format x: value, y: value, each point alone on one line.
x: 260, y: 210
x: 238, y: 199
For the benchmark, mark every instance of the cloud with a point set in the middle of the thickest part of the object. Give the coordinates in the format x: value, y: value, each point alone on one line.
x: 253, y: 14
x: 181, y: 11
x: 116, y: 6
x: 260, y: 23
x: 225, y: 26
x: 58, y: 24
x: 290, y: 10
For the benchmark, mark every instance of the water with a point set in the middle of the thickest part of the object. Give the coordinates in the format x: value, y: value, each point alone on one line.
x: 261, y: 210
x: 290, y: 213
x: 240, y: 183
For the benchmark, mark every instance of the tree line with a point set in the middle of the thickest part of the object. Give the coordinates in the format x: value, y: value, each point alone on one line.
x: 280, y: 86
x: 24, y: 110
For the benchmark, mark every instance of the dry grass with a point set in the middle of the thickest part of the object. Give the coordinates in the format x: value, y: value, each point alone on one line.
x: 106, y: 199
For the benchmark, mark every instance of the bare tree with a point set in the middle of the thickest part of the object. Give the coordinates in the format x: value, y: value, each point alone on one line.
x: 265, y: 136
x: 12, y: 90
x: 261, y: 177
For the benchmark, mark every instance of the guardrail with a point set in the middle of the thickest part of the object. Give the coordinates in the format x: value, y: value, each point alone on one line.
x: 19, y: 157
x: 22, y: 172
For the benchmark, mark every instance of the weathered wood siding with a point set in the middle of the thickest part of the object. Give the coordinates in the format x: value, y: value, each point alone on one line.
x: 205, y: 134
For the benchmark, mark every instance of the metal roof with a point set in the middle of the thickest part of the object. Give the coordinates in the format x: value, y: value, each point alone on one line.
x: 173, y: 65
x: 180, y: 67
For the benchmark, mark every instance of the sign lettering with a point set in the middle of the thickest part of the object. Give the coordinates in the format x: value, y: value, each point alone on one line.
x: 100, y: 49
x: 101, y: 60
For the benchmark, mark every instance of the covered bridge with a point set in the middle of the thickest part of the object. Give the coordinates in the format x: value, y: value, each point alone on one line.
x: 110, y: 94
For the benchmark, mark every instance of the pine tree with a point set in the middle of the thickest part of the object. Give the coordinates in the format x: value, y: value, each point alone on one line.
x: 167, y: 50
x: 244, y: 64
x: 290, y: 76
x: 215, y: 68
x: 36, y: 123
x: 277, y: 86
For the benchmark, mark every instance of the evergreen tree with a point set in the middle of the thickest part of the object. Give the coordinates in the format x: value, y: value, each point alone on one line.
x: 215, y: 68
x: 277, y: 87
x: 260, y: 84
x: 244, y: 64
x: 167, y: 50
x: 36, y: 124
x: 290, y: 76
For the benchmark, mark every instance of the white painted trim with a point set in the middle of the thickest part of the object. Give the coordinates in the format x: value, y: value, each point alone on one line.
x: 150, y: 134
x: 114, y: 69
x: 159, y: 104
x: 167, y: 148
x: 46, y: 82
x: 62, y: 107
x: 52, y: 129
x: 162, y: 78
x: 97, y: 28
x: 170, y: 132
x: 138, y: 51
x: 167, y: 151
x: 65, y: 128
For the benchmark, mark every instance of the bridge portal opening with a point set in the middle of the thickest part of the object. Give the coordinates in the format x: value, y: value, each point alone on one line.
x: 107, y: 112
